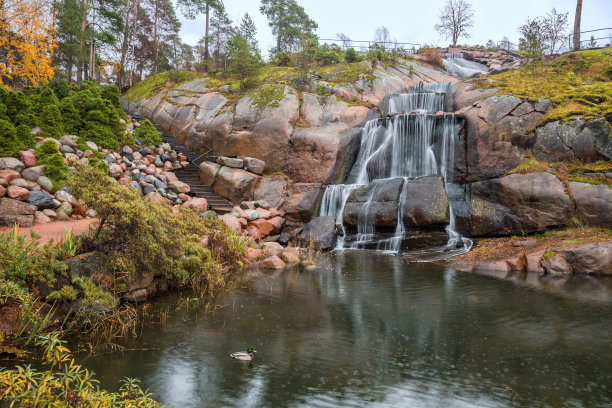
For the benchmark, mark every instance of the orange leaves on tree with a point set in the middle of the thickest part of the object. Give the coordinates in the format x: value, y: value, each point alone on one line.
x: 26, y: 41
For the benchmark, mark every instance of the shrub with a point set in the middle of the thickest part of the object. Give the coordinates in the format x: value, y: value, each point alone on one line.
x: 51, y: 121
x: 351, y: 55
x: 432, y: 56
x: 147, y: 134
x: 326, y: 55
x: 61, y: 88
x: 27, y: 119
x: 281, y: 58
x: 141, y: 233
x: 45, y: 98
x: 70, y: 116
x: 24, y: 137
x: 3, y: 115
x: 17, y: 103
x: 377, y: 53
x: 4, y: 94
x: 49, y: 155
x: 111, y: 93
x: 8, y: 139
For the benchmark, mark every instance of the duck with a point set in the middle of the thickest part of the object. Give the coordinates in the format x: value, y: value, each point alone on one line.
x: 244, y: 356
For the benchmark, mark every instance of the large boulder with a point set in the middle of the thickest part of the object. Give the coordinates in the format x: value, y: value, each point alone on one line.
x: 590, y: 258
x: 236, y: 185
x: 320, y: 232
x: 516, y: 204
x: 593, y: 203
x: 197, y: 204
x: 33, y: 173
x: 576, y: 139
x: 377, y: 202
x: 41, y: 200
x: 16, y: 212
x: 18, y: 193
x: 11, y: 163
x: 272, y: 189
x: 301, y: 205
x: 209, y: 172
x: 425, y: 202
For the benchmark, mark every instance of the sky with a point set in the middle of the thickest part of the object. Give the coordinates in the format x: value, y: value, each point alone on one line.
x: 411, y: 20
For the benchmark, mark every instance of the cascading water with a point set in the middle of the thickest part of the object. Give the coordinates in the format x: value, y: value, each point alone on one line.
x: 456, y: 63
x: 397, y: 146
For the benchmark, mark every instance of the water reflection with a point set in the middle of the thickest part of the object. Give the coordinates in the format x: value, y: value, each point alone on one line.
x: 373, y: 330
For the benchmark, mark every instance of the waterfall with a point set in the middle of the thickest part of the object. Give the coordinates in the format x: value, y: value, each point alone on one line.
x: 397, y: 146
x: 456, y: 63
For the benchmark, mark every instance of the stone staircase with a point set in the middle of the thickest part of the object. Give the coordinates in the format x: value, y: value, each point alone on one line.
x: 191, y: 175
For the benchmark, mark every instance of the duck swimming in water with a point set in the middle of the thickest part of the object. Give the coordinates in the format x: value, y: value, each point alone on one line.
x: 245, y: 356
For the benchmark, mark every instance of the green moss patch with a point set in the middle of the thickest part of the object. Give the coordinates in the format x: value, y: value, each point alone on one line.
x: 154, y: 84
x: 268, y: 96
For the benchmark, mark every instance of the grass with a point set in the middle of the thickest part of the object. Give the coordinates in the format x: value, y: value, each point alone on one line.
x: 530, y: 166
x: 590, y: 173
x: 578, y: 83
x: 156, y: 83
x: 346, y: 73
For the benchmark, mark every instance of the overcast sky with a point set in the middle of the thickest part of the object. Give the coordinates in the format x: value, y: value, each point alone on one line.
x: 411, y: 20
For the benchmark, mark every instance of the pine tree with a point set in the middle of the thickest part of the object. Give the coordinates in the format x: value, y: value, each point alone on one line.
x: 191, y: 8
x: 221, y: 31
x: 249, y: 31
x: 288, y: 21
x: 243, y: 61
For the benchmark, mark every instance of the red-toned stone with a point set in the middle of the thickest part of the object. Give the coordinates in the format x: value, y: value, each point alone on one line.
x: 28, y: 158
x: 265, y: 227
x: 18, y: 193
x: 9, y: 175
x: 278, y: 223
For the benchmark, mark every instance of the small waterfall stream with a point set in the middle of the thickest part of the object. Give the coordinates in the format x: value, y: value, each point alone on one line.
x: 400, y: 145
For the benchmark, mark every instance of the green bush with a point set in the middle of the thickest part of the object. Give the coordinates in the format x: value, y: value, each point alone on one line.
x: 60, y: 87
x: 70, y: 116
x: 281, y: 58
x: 111, y: 93
x: 9, y: 145
x: 17, y: 103
x: 147, y: 134
x: 51, y: 121
x: 4, y: 94
x: 327, y: 55
x: 46, y: 97
x: 25, y: 138
x: 3, y: 115
x: 28, y: 119
x: 49, y: 155
x: 351, y: 55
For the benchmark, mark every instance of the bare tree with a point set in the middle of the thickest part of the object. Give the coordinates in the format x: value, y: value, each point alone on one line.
x: 346, y: 41
x: 555, y: 26
x: 455, y: 19
x: 577, y: 25
x: 382, y: 35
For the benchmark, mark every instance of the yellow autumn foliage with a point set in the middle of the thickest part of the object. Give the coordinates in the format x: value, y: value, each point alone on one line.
x: 26, y: 41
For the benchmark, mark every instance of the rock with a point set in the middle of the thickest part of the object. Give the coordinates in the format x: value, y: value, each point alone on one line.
x: 254, y: 165
x: 33, y: 173
x: 382, y: 207
x: 45, y: 183
x: 273, y: 262
x: 231, y: 162
x: 28, y: 158
x: 321, y: 231
x: 239, y: 213
x: 515, y: 204
x: 41, y: 200
x: 253, y: 254
x: 41, y: 218
x: 50, y: 213
x: 426, y: 203
x: 248, y: 205
x: 115, y: 170
x: 262, y: 204
x: 590, y: 258
x: 272, y: 189
x: 166, y: 147
x: 556, y: 265
x: 231, y: 222
x: 290, y: 255
x: 69, y: 141
x: 170, y: 176
x: 9, y: 175
x: 197, y: 204
x: 278, y: 223
x: 18, y: 193
x: 148, y: 189
x: 272, y: 249
x: 525, y: 243
x: 523, y: 109
x: 264, y: 214
x: 253, y: 232
x: 159, y: 184
x: 13, y: 211
x: 10, y: 163
x: 91, y: 213
x: 67, y: 149
x: 235, y: 185
x: 252, y: 215
x: 2, y: 191
x: 64, y: 211
x: 20, y: 183
x: 158, y: 162
x: 593, y: 203
x: 264, y: 226
x: 179, y: 187
x: 543, y: 105
x: 92, y: 146
x: 300, y: 207
x: 576, y: 139
x: 208, y: 172
x: 65, y: 197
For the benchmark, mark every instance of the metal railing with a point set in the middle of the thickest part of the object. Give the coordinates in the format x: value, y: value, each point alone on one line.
x: 173, y: 126
x: 345, y: 44
x: 570, y: 42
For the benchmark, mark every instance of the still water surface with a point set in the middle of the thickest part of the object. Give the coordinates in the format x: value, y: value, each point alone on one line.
x: 370, y: 330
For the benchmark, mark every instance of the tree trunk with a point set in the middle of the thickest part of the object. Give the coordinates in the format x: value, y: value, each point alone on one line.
x: 81, y: 62
x: 577, y: 25
x: 206, y: 54
x: 124, y: 46
x: 155, y: 41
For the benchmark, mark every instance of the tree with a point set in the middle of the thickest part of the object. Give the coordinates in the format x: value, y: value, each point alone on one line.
x: 592, y: 42
x: 249, y: 31
x: 221, y: 32
x: 346, y: 41
x: 243, y: 60
x: 382, y: 36
x: 577, y: 19
x: 555, y: 26
x: 27, y: 41
x: 288, y: 21
x: 306, y: 56
x: 505, y: 43
x: 68, y: 36
x: 455, y: 19
x: 533, y: 40
x: 490, y: 45
x: 191, y: 8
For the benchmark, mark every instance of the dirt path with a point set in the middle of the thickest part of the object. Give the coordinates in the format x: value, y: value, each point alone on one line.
x: 54, y: 230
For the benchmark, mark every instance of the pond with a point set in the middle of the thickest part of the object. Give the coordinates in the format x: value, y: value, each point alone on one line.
x: 373, y: 330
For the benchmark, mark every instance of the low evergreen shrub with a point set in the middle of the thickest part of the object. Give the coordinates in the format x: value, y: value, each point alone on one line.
x: 147, y: 134
x: 49, y: 155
